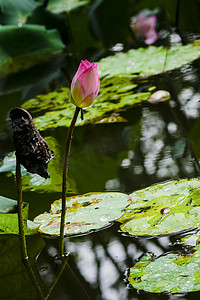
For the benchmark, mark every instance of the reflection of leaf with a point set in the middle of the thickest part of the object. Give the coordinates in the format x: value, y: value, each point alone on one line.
x: 14, y: 279
x: 9, y: 217
x: 164, y: 208
x: 26, y: 46
x: 174, y: 273
x: 148, y: 61
x: 83, y: 213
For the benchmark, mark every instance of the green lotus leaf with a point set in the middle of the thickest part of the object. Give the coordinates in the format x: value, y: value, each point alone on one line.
x: 14, y: 279
x: 163, y: 209
x: 83, y: 213
x: 9, y: 218
x: 58, y: 6
x: 17, y: 7
x: 26, y: 46
x: 35, y: 182
x: 148, y: 61
x: 56, y: 110
x: 173, y: 272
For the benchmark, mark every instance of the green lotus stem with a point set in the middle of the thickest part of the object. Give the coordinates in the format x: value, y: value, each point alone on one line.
x: 64, y: 183
x: 22, y: 237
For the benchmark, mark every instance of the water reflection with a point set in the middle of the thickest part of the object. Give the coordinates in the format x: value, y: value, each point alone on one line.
x: 157, y: 143
x: 100, y: 260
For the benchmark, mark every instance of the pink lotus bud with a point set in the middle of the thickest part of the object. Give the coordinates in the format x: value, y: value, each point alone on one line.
x: 85, y: 85
x: 144, y: 27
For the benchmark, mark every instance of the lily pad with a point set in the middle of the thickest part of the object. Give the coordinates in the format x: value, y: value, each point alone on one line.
x: 34, y: 182
x: 26, y: 46
x: 9, y: 217
x: 83, y: 213
x: 163, y: 209
x: 174, y: 273
x: 55, y: 109
x: 148, y: 61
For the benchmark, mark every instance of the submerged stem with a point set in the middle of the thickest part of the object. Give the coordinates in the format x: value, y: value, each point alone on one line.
x: 22, y: 237
x: 64, y: 183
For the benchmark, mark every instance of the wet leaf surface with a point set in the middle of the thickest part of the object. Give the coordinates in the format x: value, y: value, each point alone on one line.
x: 148, y: 61
x: 83, y: 213
x: 163, y: 209
x: 56, y: 110
x: 173, y: 272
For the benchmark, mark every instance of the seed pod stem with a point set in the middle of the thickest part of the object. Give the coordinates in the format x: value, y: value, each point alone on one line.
x: 22, y: 232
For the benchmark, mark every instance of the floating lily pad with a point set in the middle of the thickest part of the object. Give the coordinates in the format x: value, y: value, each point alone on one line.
x: 174, y: 273
x: 148, y: 61
x: 35, y: 182
x: 55, y: 109
x: 163, y: 209
x: 26, y: 46
x: 83, y: 213
x: 9, y: 217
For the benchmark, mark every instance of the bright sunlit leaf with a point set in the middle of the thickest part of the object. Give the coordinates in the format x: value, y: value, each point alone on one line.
x: 84, y: 213
x: 163, y: 209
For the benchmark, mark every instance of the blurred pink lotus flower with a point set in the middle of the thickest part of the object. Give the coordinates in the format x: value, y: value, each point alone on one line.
x: 144, y: 27
x: 85, y: 85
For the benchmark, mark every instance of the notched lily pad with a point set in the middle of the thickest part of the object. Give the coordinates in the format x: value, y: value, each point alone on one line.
x: 174, y: 273
x: 163, y: 209
x: 83, y: 213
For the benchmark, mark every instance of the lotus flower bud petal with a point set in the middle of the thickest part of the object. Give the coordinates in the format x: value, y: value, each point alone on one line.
x: 87, y: 102
x: 85, y: 85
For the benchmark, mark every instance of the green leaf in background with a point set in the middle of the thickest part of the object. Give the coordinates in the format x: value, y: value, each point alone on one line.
x: 163, y: 209
x: 14, y: 279
x: 58, y: 6
x: 148, y: 61
x: 110, y: 21
x: 34, y: 182
x: 26, y: 46
x: 17, y: 7
x: 83, y: 213
x: 118, y: 91
x: 53, y: 184
x: 9, y: 217
x: 173, y: 272
x: 56, y: 110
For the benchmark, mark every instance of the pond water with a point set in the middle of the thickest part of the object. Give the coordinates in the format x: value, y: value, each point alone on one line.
x: 153, y: 144
x: 157, y: 143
